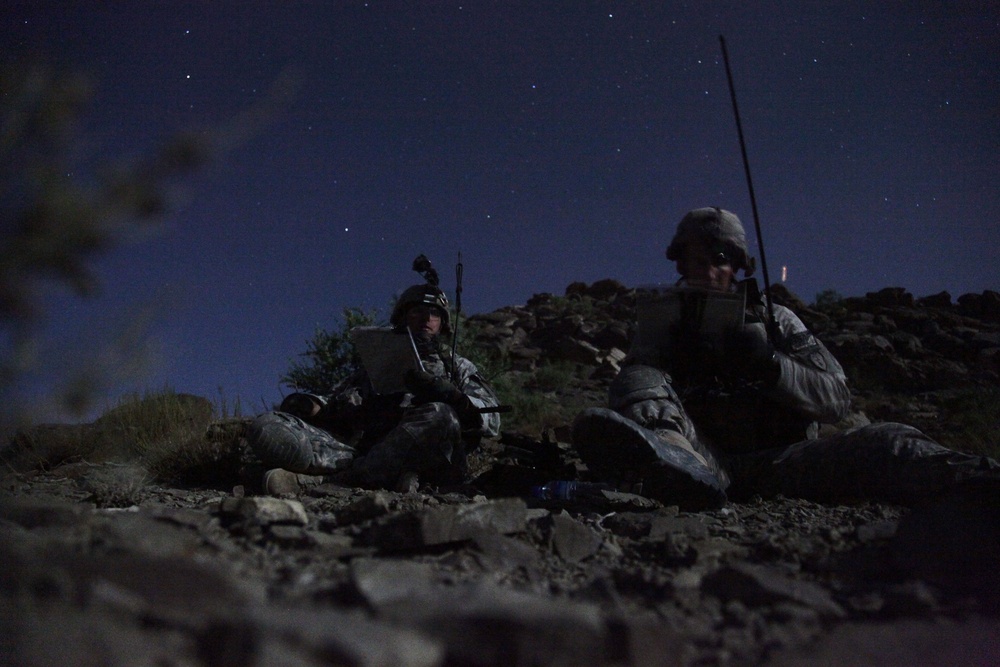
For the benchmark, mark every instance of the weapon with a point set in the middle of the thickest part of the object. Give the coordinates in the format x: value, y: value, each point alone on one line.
x: 771, y: 324
x: 458, y: 311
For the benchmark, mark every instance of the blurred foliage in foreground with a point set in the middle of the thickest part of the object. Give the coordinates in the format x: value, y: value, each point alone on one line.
x: 60, y: 209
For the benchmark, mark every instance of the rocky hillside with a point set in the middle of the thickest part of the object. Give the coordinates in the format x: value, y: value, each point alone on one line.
x: 121, y: 549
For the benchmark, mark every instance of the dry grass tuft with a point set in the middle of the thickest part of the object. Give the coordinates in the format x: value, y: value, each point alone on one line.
x: 171, y: 437
x: 117, y: 485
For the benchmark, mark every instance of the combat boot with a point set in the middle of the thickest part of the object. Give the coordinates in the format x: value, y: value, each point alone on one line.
x: 669, y: 468
x: 281, y: 482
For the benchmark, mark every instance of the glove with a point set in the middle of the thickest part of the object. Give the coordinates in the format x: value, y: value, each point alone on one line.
x: 749, y: 355
x: 429, y: 388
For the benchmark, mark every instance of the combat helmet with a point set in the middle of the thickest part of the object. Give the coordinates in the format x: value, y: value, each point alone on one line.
x: 428, y: 294
x: 714, y: 226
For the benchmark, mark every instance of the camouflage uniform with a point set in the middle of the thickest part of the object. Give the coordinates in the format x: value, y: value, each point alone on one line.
x: 380, y: 438
x: 704, y: 423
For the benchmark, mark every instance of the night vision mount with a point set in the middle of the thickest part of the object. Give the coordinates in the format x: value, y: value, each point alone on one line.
x: 423, y: 266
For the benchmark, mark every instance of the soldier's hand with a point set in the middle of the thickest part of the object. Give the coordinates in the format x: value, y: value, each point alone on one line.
x: 429, y: 388
x: 749, y: 354
x: 468, y: 414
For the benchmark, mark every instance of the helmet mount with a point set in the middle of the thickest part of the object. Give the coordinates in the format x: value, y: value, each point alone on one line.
x: 423, y: 266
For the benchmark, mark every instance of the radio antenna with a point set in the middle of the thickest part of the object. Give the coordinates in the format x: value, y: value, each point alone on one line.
x: 458, y: 313
x: 771, y: 322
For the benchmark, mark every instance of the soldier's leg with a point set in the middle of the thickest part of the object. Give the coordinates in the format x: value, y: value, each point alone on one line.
x: 427, y: 442
x: 886, y: 462
x: 645, y: 395
x: 648, y: 437
x: 282, y: 440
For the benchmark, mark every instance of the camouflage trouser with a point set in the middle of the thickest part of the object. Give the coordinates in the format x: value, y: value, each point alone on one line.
x: 647, y: 441
x: 644, y: 395
x: 282, y: 440
x: 886, y: 462
x: 427, y: 441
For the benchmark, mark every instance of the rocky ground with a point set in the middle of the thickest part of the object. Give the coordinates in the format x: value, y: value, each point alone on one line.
x: 347, y: 576
x: 100, y: 564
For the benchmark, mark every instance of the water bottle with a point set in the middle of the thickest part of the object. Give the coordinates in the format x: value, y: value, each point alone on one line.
x: 555, y: 490
x: 567, y: 490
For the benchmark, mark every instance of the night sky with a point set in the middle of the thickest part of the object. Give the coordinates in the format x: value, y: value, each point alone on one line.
x: 548, y: 142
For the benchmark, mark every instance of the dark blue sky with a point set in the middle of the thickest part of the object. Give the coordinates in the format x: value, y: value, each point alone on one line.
x: 546, y: 142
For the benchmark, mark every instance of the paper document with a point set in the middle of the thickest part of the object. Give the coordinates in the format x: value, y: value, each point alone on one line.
x: 663, y: 312
x: 387, y: 354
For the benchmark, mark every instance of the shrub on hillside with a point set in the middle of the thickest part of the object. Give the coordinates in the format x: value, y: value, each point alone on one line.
x: 330, y: 356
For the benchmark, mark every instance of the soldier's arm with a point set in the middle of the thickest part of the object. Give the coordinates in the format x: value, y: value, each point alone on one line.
x: 811, y: 380
x: 480, y: 395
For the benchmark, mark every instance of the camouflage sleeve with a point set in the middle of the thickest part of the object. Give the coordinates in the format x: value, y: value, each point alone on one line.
x: 812, y: 381
x: 347, y: 392
x: 351, y: 390
x: 473, y: 385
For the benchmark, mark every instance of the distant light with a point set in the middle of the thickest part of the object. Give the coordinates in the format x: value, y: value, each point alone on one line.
x: 345, y: 229
x: 784, y: 273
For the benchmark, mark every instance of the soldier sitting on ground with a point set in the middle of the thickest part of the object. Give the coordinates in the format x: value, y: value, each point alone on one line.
x: 738, y: 415
x: 388, y: 440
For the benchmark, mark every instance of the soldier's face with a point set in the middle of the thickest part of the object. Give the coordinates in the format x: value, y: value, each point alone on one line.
x: 424, y: 320
x: 705, y: 267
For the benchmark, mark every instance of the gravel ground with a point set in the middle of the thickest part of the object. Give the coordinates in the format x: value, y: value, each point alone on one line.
x: 101, y: 567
